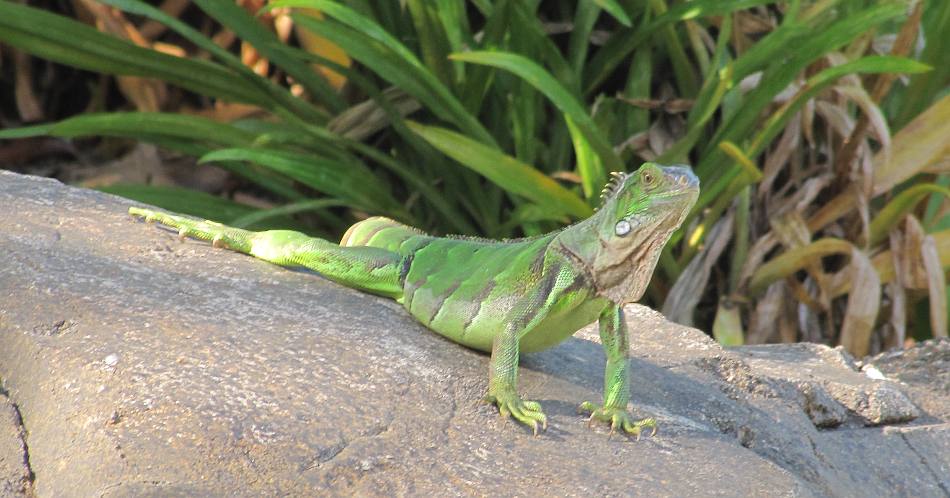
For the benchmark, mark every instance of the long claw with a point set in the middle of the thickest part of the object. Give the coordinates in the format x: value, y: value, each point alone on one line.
x: 619, y: 420
x: 526, y: 412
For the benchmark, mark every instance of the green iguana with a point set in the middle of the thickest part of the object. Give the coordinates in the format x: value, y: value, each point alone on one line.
x: 502, y: 296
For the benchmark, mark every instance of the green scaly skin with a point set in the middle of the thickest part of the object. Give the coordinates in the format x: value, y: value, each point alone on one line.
x: 502, y: 296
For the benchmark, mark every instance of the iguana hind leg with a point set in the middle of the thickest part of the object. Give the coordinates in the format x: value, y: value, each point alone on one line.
x: 369, y: 269
x: 381, y: 232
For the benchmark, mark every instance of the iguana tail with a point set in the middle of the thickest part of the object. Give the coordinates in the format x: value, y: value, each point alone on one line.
x: 369, y: 269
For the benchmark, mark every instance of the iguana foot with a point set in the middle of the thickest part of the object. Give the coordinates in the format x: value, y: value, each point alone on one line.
x: 510, y: 404
x: 619, y: 418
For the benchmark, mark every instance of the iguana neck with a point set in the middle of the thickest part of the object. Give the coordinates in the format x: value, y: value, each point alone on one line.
x: 620, y: 271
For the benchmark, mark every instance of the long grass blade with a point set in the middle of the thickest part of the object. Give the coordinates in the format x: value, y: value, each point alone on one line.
x: 531, y: 72
x: 504, y: 170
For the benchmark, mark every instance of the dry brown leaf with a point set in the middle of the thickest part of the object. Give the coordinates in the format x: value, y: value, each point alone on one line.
x: 750, y: 82
x: 669, y: 106
x: 151, y: 29
x: 250, y: 57
x: 773, y: 318
x: 878, y: 122
x: 911, y: 266
x: 168, y: 48
x: 895, y: 289
x: 142, y: 165
x: 27, y: 103
x: 750, y: 23
x: 639, y: 144
x: 779, y: 155
x: 757, y: 253
x: 283, y: 24
x: 917, y: 146
x: 318, y: 45
x: 688, y: 289
x: 660, y: 138
x: 791, y: 229
x: 809, y: 321
x: 225, y: 112
x: 940, y: 166
x: 884, y: 264
x: 146, y: 94
x: 898, y: 322
x: 808, y: 122
x: 864, y: 300
x: 836, y: 116
x: 367, y: 118
x: 936, y: 286
x: 806, y: 195
x: 567, y: 176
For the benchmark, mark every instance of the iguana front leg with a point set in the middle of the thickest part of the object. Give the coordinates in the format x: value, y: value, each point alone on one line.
x: 613, y: 336
x: 530, y: 310
x: 503, y: 382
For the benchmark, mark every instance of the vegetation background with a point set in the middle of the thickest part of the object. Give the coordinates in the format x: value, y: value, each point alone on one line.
x: 820, y: 131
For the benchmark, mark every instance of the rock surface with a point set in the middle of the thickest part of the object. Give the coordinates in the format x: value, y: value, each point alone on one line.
x: 135, y: 365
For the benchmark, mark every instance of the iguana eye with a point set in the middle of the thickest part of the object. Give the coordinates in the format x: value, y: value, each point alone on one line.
x: 647, y: 178
x: 622, y: 228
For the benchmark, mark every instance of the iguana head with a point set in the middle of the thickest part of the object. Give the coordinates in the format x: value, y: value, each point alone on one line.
x: 639, y: 213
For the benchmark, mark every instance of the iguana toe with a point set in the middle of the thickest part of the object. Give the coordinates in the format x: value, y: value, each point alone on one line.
x: 527, y: 412
x: 619, y: 419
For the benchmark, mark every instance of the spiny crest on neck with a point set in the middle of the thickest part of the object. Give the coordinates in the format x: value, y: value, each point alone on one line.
x: 613, y: 185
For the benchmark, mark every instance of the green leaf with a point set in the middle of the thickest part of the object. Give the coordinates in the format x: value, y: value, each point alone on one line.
x: 615, y: 10
x: 793, y: 260
x: 894, y: 211
x: 589, y: 165
x: 557, y: 94
x: 140, y: 125
x: 727, y: 326
x: 505, y: 171
x: 433, y: 41
x: 352, y: 182
x: 585, y: 16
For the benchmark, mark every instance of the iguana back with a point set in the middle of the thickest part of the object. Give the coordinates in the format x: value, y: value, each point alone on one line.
x: 464, y: 288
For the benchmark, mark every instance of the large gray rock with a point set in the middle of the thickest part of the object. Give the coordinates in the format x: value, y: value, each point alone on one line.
x: 143, y: 366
